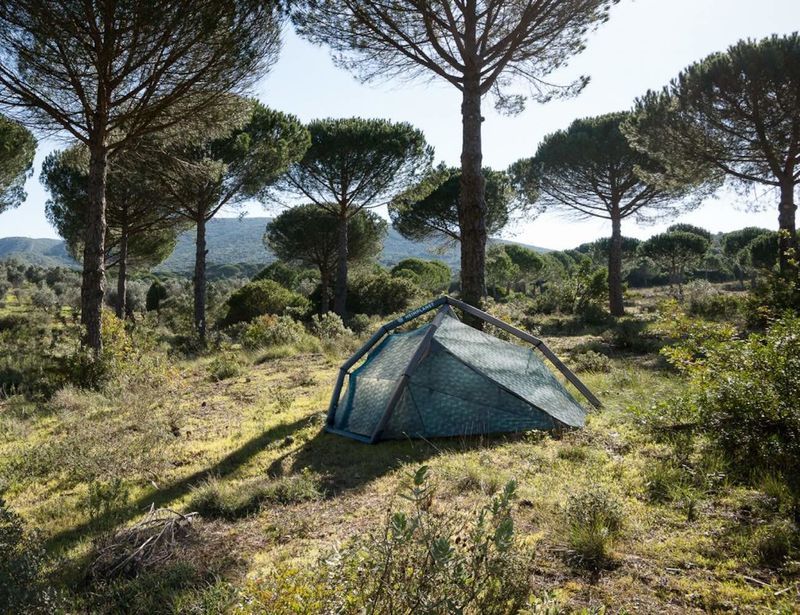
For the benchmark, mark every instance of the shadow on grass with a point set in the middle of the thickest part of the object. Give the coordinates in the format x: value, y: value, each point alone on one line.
x: 349, y: 465
x: 161, y: 497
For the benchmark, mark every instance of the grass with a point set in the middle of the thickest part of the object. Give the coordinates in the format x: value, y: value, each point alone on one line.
x: 248, y: 453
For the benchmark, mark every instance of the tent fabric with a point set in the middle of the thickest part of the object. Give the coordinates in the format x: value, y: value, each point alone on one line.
x: 468, y: 383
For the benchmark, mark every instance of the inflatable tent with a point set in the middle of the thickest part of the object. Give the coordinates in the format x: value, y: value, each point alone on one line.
x: 446, y: 378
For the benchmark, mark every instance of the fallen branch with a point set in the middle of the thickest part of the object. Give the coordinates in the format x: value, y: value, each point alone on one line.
x: 144, y: 545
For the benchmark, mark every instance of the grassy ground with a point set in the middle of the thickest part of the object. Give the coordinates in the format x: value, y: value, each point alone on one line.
x: 274, y: 490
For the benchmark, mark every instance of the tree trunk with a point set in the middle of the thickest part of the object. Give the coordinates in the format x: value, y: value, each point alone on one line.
x: 472, y: 201
x: 786, y: 224
x: 325, y: 286
x: 200, y: 280
x: 615, y: 301
x: 122, y: 271
x: 340, y: 297
x: 94, y: 266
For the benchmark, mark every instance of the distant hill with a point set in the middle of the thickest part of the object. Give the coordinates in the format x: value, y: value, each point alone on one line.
x: 231, y: 241
x: 41, y: 252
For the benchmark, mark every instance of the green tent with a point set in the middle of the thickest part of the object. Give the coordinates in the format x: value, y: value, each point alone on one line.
x: 448, y: 379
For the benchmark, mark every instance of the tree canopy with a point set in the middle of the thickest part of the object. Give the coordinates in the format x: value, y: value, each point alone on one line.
x: 420, y: 215
x: 736, y: 115
x: 138, y: 231
x: 433, y: 276
x: 308, y: 235
x: 675, y: 251
x: 684, y: 227
x: 223, y: 166
x: 590, y: 170
x: 478, y: 47
x: 355, y: 164
x: 17, y: 147
x: 107, y: 73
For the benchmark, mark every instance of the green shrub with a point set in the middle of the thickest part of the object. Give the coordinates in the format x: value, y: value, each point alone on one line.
x: 263, y: 297
x: 282, y: 397
x: 573, y: 453
x: 270, y: 330
x: 664, y: 482
x: 633, y: 335
x: 162, y: 590
x: 22, y: 559
x: 359, y: 323
x: 155, y: 295
x: 707, y: 301
x: 592, y: 362
x: 44, y: 299
x: 773, y: 544
x: 420, y: 562
x: 380, y: 293
x: 329, y: 327
x: 226, y: 364
x: 593, y: 520
x: 593, y: 314
x: 105, y: 502
x: 744, y: 394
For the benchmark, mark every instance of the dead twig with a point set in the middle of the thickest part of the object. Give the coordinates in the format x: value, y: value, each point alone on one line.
x: 144, y: 545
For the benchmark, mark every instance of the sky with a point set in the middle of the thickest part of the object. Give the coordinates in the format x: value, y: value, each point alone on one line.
x: 643, y: 46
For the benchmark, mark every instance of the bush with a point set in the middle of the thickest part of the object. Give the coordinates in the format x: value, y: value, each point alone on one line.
x: 633, y: 335
x: 420, y: 562
x: 155, y: 295
x: 263, y: 297
x: 269, y: 330
x: 21, y: 561
x: 359, y: 323
x: 664, y: 482
x: 44, y: 299
x: 380, y: 293
x: 705, y: 300
x: 592, y: 362
x: 593, y: 519
x: 226, y: 364
x: 773, y: 544
x: 744, y: 394
x: 329, y: 327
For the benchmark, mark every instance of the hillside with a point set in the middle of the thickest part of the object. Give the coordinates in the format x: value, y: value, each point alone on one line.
x: 42, y: 252
x: 231, y: 241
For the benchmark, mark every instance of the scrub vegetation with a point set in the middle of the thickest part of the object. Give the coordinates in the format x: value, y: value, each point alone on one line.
x: 674, y: 497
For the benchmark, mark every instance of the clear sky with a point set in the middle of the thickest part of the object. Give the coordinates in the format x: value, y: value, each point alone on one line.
x: 644, y: 45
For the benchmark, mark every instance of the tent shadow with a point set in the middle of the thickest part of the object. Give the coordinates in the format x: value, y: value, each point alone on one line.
x: 163, y: 496
x: 348, y: 465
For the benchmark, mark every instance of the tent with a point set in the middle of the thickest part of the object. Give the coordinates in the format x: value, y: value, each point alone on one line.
x: 446, y: 378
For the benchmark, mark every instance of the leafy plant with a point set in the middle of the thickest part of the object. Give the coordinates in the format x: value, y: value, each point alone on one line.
x: 263, y: 297
x: 226, y: 364
x: 22, y: 559
x: 593, y: 519
x: 328, y: 327
x: 270, y: 330
x: 421, y: 561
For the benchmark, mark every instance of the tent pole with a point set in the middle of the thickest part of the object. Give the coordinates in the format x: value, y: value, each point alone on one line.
x: 385, y: 329
x: 543, y: 348
x: 416, y: 359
